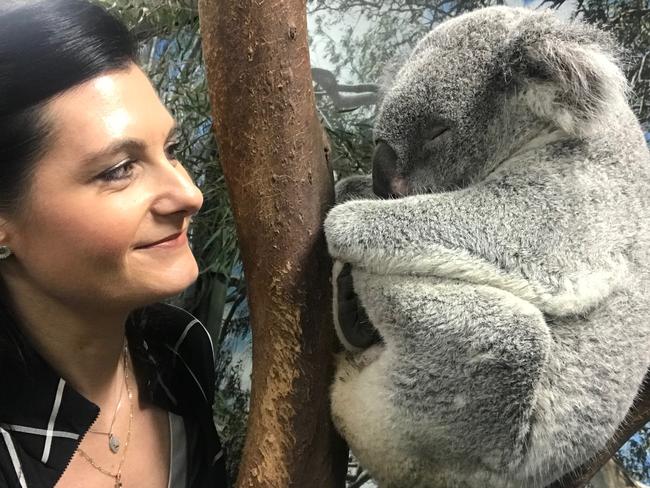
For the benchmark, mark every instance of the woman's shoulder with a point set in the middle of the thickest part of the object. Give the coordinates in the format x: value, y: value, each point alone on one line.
x: 174, y: 358
x: 170, y: 323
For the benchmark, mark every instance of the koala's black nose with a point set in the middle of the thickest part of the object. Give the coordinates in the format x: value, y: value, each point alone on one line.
x: 386, y: 182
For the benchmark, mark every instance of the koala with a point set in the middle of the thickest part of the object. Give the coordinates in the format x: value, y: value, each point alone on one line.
x: 501, y: 252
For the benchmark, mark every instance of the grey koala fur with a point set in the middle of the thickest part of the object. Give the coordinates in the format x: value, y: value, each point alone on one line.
x: 511, y: 284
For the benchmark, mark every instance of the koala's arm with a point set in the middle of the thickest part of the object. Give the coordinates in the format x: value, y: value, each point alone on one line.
x: 528, y: 234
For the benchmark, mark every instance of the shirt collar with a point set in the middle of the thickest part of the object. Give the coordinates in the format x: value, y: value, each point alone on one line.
x: 48, y: 418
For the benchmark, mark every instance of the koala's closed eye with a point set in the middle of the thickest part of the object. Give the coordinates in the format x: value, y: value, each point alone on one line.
x: 432, y: 136
x: 433, y: 132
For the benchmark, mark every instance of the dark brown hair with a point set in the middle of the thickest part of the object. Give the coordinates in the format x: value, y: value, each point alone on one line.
x: 46, y: 47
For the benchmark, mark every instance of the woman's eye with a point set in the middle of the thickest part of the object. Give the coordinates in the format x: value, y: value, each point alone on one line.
x: 172, y: 151
x: 121, y: 172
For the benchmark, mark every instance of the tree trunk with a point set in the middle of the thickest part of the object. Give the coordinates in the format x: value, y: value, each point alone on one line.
x: 280, y: 186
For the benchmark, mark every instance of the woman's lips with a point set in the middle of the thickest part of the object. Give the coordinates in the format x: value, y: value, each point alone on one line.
x: 174, y: 240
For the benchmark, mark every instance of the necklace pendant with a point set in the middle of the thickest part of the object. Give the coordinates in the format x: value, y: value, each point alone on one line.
x: 118, y: 481
x: 113, y: 444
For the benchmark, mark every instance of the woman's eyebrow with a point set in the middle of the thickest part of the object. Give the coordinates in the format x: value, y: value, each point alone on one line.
x: 124, y: 145
x: 115, y: 147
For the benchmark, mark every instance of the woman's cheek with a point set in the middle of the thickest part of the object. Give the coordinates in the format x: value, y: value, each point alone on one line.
x: 102, y: 240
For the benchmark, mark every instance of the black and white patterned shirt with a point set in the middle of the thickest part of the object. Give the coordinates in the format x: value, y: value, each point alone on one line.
x: 43, y: 419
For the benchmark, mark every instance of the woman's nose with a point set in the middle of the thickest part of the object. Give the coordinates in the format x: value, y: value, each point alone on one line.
x: 178, y: 193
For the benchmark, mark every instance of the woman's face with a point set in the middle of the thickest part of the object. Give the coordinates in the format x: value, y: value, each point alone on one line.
x: 105, y: 195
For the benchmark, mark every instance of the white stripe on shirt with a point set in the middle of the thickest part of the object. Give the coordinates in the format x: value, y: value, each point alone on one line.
x: 14, y: 458
x: 33, y: 430
x: 50, y: 424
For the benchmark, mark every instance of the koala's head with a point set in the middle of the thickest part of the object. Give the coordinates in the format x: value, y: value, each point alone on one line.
x: 479, y: 87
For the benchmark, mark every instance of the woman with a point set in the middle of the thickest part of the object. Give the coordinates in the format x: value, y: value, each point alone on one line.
x: 99, y: 387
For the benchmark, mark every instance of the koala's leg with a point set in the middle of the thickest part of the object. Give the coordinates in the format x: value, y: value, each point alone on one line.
x: 455, y: 385
x: 596, y: 365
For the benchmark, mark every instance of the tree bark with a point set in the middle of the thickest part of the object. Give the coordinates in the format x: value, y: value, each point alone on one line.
x: 612, y: 475
x: 281, y: 187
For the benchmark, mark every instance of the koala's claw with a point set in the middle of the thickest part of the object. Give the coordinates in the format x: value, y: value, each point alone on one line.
x: 353, y: 325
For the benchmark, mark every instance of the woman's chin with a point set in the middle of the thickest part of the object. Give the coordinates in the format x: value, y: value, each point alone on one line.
x: 168, y: 282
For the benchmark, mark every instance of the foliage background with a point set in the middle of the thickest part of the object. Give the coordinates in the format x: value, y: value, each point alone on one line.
x: 360, y: 42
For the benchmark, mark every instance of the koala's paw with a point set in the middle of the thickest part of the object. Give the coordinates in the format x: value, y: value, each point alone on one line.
x: 351, y: 233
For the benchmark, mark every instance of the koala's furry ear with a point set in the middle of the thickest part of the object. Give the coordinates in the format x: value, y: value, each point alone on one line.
x: 389, y: 73
x: 568, y: 74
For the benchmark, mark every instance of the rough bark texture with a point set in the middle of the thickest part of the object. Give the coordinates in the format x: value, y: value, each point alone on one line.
x: 281, y: 187
x: 636, y: 418
x: 612, y: 476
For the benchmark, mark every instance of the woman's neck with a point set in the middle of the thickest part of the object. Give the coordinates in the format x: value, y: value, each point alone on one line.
x: 84, y: 345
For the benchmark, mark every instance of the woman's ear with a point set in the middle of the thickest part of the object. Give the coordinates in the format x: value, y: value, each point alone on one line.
x: 5, y: 232
x: 566, y: 73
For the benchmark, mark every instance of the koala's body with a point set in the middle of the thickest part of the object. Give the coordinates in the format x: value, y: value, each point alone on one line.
x: 510, y: 283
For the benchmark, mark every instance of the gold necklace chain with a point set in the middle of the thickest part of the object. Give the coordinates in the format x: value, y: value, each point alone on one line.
x: 113, y: 440
x: 118, y: 475
x: 117, y: 408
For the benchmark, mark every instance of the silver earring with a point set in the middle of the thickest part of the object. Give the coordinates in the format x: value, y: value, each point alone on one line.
x: 5, y: 252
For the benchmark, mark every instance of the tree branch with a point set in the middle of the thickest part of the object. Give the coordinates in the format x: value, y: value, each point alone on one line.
x: 365, y: 94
